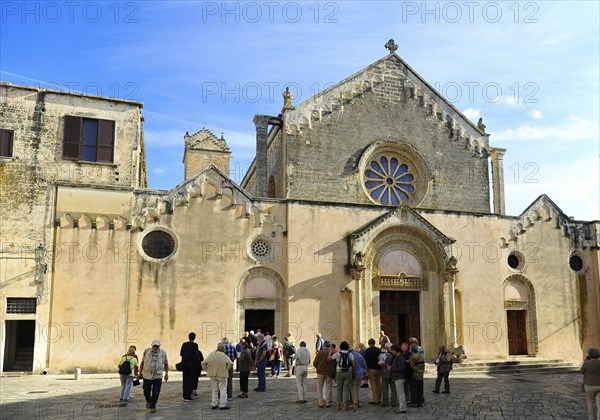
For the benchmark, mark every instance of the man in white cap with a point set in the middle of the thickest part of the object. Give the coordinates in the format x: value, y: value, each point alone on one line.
x: 154, y: 361
x: 413, y: 340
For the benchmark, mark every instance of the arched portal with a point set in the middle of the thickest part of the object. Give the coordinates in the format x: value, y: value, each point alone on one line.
x: 404, y: 287
x: 521, y: 317
x: 261, y: 301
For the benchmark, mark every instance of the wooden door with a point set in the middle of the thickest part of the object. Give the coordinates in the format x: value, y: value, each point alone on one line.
x: 399, y: 315
x: 517, y: 332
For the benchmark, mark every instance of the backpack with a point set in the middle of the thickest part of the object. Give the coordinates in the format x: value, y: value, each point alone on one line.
x: 344, y: 362
x: 125, y: 368
x: 291, y: 349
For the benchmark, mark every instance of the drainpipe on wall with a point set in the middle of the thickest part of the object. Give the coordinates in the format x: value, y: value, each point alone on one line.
x: 128, y: 270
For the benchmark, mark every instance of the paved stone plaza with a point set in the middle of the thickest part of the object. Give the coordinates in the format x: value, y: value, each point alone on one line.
x: 507, y: 396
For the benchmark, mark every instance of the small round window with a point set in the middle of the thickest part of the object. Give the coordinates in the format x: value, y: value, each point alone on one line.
x: 158, y: 244
x: 516, y: 260
x: 260, y: 249
x: 576, y: 263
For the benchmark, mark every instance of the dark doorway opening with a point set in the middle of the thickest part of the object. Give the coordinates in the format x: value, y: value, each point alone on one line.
x: 400, y: 315
x: 517, y: 332
x: 263, y: 319
x: 18, y: 350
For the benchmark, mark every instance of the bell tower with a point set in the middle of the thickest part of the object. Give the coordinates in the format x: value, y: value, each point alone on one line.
x: 203, y: 149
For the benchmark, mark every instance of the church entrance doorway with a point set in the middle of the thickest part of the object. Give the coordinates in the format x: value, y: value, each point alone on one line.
x: 399, y: 315
x: 263, y: 319
x: 517, y: 332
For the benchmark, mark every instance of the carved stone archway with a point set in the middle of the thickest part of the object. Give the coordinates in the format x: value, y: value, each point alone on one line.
x: 405, y: 229
x: 276, y: 298
x: 429, y: 283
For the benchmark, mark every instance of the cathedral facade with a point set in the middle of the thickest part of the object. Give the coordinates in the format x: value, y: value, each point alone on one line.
x: 368, y: 207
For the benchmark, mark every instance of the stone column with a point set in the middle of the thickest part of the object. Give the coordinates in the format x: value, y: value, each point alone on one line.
x: 451, y: 280
x: 497, y: 156
x: 358, y: 284
x: 262, y: 123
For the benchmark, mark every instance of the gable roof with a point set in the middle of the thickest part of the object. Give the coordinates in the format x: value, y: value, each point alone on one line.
x: 335, y: 97
x: 204, y: 140
x: 381, y: 220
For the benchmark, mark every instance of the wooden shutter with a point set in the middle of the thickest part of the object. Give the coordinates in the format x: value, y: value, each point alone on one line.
x: 72, y: 139
x: 6, y: 143
x: 106, y: 140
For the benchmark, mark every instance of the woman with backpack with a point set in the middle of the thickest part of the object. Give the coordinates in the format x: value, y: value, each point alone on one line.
x: 444, y: 366
x: 276, y: 358
x: 345, y: 368
x: 127, y: 367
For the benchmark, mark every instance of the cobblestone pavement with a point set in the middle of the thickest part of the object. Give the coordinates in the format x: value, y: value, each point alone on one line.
x: 478, y: 396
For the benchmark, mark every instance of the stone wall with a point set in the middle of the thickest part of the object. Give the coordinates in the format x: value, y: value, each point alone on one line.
x: 37, y: 117
x: 276, y: 166
x: 197, y: 160
x: 323, y: 154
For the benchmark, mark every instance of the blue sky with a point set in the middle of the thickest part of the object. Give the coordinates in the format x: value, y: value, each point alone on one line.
x: 530, y: 69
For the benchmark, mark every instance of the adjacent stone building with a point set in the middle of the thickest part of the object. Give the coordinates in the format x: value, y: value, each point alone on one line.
x: 367, y: 207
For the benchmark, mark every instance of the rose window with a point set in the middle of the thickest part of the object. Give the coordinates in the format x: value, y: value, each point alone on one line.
x: 388, y: 181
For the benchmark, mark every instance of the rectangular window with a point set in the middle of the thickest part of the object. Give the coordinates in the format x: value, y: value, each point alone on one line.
x: 6, y: 142
x: 21, y: 305
x: 89, y: 139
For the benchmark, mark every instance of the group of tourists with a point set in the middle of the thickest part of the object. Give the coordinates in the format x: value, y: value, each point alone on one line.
x: 394, y: 372
x: 253, y: 351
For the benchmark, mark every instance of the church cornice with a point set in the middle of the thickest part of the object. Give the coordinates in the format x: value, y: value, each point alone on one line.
x: 581, y: 234
x: 384, y: 220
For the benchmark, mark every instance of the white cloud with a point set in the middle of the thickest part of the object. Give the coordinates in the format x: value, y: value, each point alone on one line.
x: 159, y: 171
x: 575, y: 128
x: 536, y: 114
x: 471, y: 113
x: 163, y: 138
x: 511, y: 101
x: 576, y: 198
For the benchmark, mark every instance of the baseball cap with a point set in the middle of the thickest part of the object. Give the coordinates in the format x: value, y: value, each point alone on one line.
x: 156, y: 342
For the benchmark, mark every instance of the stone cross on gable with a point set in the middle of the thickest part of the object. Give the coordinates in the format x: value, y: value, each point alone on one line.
x: 391, y: 45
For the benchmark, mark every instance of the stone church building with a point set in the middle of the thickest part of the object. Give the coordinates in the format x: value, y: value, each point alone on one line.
x: 374, y: 205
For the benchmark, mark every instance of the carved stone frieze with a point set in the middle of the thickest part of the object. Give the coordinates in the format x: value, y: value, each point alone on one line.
x: 400, y: 283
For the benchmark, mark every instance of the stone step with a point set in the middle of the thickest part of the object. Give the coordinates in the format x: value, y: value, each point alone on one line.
x: 511, y: 366
x: 23, y: 359
x: 493, y: 364
x: 539, y: 369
